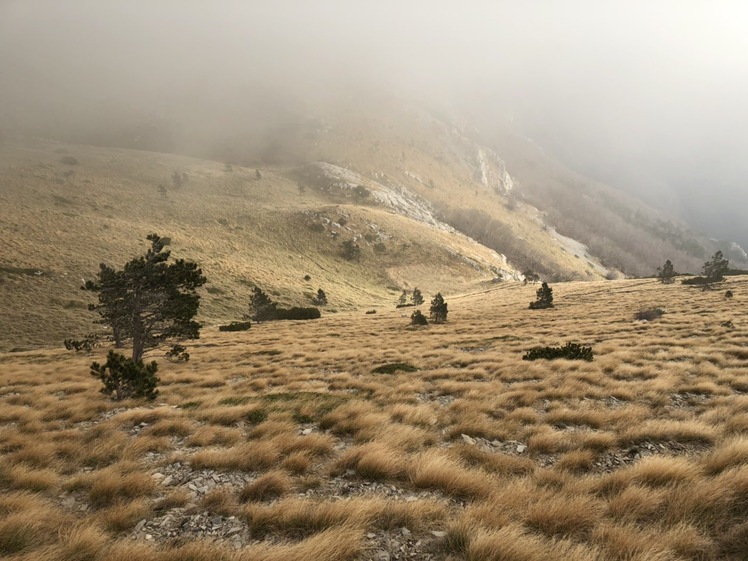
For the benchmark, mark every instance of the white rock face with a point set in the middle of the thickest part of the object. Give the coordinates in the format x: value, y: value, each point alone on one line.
x: 407, y: 203
x: 400, y: 199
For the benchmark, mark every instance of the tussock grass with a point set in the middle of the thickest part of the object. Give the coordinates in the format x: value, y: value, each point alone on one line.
x: 269, y: 486
x: 373, y: 461
x: 640, y: 455
x: 433, y: 470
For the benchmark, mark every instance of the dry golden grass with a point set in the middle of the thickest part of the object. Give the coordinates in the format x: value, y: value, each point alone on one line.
x: 640, y: 455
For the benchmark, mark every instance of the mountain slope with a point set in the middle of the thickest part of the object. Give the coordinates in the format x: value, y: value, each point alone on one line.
x: 60, y: 220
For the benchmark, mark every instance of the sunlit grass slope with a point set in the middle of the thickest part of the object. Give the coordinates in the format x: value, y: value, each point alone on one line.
x: 59, y: 220
x: 284, y: 443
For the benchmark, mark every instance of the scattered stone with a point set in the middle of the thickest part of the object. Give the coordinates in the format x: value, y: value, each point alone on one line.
x: 439, y: 533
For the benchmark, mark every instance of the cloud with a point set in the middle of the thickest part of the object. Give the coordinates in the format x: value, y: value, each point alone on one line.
x: 639, y: 94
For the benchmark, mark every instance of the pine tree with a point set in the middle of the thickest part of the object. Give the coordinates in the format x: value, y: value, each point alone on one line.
x: 261, y: 307
x: 321, y: 298
x: 417, y: 297
x: 438, y: 309
x: 544, y: 298
x: 403, y: 298
x: 666, y: 273
x: 149, y: 301
x: 715, y: 270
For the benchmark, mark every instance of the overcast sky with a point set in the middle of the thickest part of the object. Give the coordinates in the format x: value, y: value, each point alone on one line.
x: 651, y: 95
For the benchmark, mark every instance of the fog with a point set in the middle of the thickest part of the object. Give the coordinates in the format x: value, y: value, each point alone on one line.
x: 647, y: 96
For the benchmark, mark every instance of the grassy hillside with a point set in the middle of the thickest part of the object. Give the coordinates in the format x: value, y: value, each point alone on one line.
x: 59, y: 220
x: 286, y: 443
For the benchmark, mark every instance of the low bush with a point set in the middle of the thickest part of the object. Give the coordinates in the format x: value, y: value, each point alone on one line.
x: 177, y: 353
x: 570, y: 351
x: 82, y: 345
x: 236, y: 326
x: 297, y: 313
x: 417, y: 318
x: 649, y: 314
x: 124, y: 378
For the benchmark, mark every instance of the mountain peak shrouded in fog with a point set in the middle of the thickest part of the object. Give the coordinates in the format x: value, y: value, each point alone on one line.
x: 647, y: 96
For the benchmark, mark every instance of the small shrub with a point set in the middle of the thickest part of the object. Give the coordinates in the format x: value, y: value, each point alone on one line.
x: 82, y: 345
x: 236, y: 326
x: 124, y: 378
x: 394, y: 367
x: 370, y: 312
x: 728, y: 294
x: 177, y: 353
x: 544, y: 298
x: 649, y: 314
x: 350, y: 250
x: 417, y: 318
x: 307, y: 278
x: 570, y: 351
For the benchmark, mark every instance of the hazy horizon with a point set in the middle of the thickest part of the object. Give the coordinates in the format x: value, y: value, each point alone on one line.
x: 647, y: 96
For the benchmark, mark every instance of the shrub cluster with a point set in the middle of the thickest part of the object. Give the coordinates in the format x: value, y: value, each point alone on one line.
x: 570, y: 351
x: 236, y: 326
x: 417, y: 318
x: 124, y: 378
x: 177, y: 353
x: 296, y: 313
x: 544, y: 298
x: 82, y: 345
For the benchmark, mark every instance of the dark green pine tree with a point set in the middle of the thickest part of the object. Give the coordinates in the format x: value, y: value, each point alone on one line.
x: 544, y: 298
x: 261, y: 307
x: 403, y: 298
x: 438, y: 309
x: 666, y: 273
x: 321, y: 298
x: 716, y: 269
x: 417, y: 297
x: 149, y: 301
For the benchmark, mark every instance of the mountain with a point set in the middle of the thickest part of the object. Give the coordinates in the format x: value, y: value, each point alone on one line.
x: 431, y: 201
